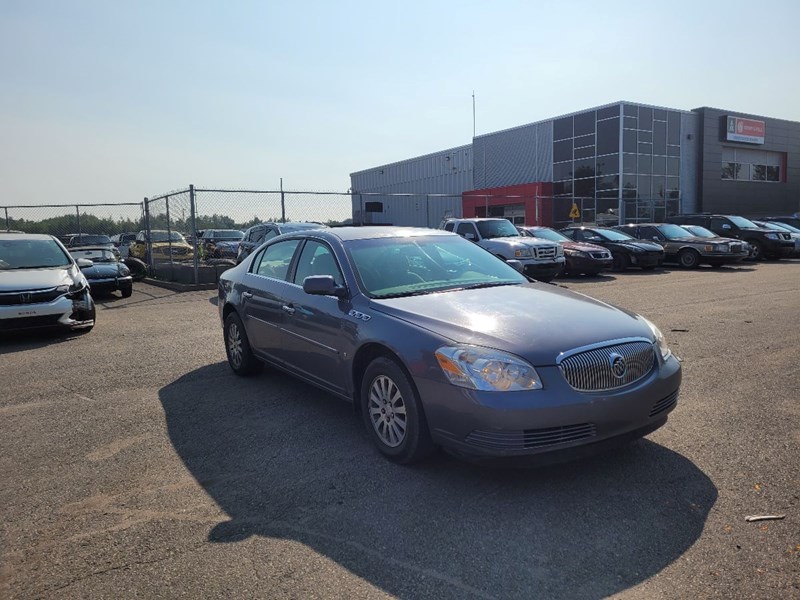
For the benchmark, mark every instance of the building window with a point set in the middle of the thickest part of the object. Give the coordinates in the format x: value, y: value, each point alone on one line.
x: 745, y: 164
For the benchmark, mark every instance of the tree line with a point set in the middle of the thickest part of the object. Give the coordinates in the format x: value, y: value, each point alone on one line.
x: 87, y: 223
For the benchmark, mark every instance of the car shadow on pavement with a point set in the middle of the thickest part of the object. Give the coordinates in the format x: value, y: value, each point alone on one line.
x: 285, y: 460
x: 22, y: 341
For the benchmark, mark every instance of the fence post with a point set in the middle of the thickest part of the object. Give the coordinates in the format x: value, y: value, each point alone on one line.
x: 147, y: 257
x: 427, y: 210
x: 283, y: 204
x: 361, y: 211
x: 193, y: 216
x: 169, y: 236
x: 78, y: 216
x: 537, y: 208
x: 8, y: 223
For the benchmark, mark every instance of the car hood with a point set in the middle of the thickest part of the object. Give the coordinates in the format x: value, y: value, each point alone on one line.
x: 36, y: 279
x: 649, y: 246
x: 535, y: 321
x: 227, y: 243
x: 584, y: 247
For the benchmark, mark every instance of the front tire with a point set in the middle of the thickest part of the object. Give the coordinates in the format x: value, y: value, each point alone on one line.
x: 620, y: 262
x: 689, y: 259
x: 241, y: 359
x: 393, y: 413
x: 127, y: 291
x: 758, y: 251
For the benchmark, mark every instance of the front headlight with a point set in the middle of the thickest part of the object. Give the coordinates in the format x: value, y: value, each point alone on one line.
x: 661, y: 341
x: 73, y: 290
x: 124, y: 271
x: 487, y: 369
x: 570, y: 252
x: 522, y: 253
x: 721, y: 248
x: 636, y: 249
x: 559, y: 250
x: 772, y: 236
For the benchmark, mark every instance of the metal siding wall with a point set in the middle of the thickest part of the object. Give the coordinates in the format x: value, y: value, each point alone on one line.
x: 514, y: 156
x: 445, y: 172
x: 690, y: 162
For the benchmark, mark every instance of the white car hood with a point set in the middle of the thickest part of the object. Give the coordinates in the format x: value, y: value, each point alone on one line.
x: 37, y: 279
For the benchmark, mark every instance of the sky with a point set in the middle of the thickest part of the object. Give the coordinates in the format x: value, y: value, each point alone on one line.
x: 112, y: 102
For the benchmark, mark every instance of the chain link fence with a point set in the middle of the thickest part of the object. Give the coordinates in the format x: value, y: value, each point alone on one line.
x: 67, y: 220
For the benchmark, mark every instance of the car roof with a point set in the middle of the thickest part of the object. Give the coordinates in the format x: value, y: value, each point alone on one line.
x: 26, y: 236
x: 347, y: 234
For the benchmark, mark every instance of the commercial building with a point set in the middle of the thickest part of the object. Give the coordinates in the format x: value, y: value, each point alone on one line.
x: 621, y: 161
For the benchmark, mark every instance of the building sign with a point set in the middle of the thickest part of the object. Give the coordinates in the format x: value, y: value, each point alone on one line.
x: 745, y: 130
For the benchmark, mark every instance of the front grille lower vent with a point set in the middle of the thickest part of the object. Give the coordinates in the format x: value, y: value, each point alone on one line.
x: 664, y: 404
x: 608, y: 368
x: 526, y: 439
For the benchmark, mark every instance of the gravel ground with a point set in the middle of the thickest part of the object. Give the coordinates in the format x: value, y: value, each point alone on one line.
x: 134, y: 464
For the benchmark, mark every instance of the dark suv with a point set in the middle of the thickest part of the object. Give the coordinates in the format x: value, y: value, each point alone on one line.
x: 258, y: 234
x: 766, y: 243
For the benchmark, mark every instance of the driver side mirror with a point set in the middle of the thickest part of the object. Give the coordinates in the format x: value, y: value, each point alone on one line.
x: 655, y: 238
x: 726, y: 226
x: 470, y: 236
x: 323, y: 285
x: 84, y: 263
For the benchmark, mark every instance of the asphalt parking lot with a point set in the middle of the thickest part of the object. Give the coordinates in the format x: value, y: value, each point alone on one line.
x: 135, y: 464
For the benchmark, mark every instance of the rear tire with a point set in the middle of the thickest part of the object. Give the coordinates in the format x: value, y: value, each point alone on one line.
x: 393, y: 413
x: 241, y: 359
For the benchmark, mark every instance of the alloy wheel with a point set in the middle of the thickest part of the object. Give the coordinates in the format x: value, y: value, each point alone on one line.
x: 387, y: 411
x: 234, y: 345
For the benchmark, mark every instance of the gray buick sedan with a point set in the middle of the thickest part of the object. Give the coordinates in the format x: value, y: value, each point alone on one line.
x: 437, y: 342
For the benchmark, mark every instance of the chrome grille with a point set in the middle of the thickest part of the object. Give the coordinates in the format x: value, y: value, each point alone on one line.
x: 32, y: 297
x: 590, y: 371
x: 736, y: 247
x: 546, y: 252
x: 531, y: 438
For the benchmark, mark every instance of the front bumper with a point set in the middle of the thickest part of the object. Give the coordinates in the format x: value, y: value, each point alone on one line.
x: 587, y: 264
x: 555, y: 418
x: 111, y: 283
x: 543, y: 269
x: 646, y: 259
x: 62, y: 312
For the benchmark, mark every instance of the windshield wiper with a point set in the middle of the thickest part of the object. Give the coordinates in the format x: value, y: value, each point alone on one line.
x: 404, y: 294
x: 485, y: 284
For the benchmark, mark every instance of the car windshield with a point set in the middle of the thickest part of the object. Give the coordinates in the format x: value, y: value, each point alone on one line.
x: 227, y: 234
x: 699, y: 231
x: 496, y: 228
x: 410, y: 266
x: 674, y: 232
x: 614, y: 236
x: 32, y: 254
x: 784, y: 226
x: 96, y: 255
x: 743, y: 223
x: 164, y: 236
x: 548, y: 234
x: 88, y: 240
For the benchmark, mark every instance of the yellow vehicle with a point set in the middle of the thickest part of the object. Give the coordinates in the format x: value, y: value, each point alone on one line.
x: 165, y: 246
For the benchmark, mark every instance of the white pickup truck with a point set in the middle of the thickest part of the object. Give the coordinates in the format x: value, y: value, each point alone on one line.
x: 541, y: 259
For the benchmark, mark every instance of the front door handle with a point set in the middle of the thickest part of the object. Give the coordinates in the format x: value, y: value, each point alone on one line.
x: 247, y: 295
x: 287, y: 309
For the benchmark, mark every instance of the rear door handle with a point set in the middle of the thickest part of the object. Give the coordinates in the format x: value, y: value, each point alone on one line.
x: 287, y: 309
x: 247, y: 295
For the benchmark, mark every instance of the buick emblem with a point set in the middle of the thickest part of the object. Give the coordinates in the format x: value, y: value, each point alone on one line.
x: 618, y: 366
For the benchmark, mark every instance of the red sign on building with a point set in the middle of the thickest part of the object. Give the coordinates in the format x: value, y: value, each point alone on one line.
x: 749, y: 131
